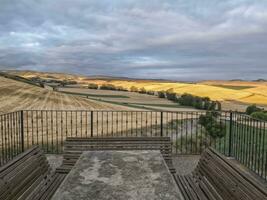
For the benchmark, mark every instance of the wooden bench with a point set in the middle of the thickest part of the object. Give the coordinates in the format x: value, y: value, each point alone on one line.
x: 73, y: 147
x: 29, y: 176
x: 217, y: 177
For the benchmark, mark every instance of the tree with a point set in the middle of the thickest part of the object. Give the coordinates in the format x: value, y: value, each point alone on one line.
x: 120, y: 88
x: 213, y: 126
x: 197, y: 102
x: 134, y: 89
x: 253, y: 108
x: 219, y: 105
x: 186, y: 99
x: 142, y: 90
x: 150, y: 92
x: 206, y: 103
x: 92, y: 86
x: 259, y: 115
x: 107, y: 87
x: 171, y: 95
x: 161, y: 94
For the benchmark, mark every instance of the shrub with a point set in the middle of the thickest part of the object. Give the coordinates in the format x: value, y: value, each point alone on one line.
x: 219, y: 106
x: 150, y: 92
x: 259, y: 115
x: 253, y: 108
x: 186, y: 99
x: 107, y: 87
x: 120, y: 88
x: 161, y: 94
x: 199, y: 102
x: 134, y: 89
x: 212, y: 125
x: 142, y: 90
x: 171, y: 95
x: 92, y: 86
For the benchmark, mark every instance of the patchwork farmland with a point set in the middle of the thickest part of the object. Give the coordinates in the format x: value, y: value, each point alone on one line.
x: 234, y: 95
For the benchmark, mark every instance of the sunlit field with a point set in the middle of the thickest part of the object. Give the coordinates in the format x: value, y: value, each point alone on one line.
x: 16, y: 95
x: 239, y: 92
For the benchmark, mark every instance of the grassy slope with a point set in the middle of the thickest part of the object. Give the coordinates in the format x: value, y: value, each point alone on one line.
x: 17, y: 95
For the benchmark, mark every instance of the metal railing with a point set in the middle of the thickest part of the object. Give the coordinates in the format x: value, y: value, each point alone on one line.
x: 245, y: 138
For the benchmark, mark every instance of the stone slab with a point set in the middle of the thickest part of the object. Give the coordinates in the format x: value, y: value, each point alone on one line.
x: 119, y: 175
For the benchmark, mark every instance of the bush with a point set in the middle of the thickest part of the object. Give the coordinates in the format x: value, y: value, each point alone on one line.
x: 107, y: 87
x: 120, y: 88
x: 150, y: 92
x: 134, y: 89
x: 92, y: 86
x: 161, y: 94
x: 212, y: 125
x: 253, y: 108
x: 142, y: 90
x: 259, y: 115
x: 204, y: 103
x: 186, y: 99
x: 171, y: 95
x: 219, y: 106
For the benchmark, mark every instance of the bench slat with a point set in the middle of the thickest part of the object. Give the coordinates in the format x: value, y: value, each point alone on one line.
x: 217, y: 177
x: 29, y: 176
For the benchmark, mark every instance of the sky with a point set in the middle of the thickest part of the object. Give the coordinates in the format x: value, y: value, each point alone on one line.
x: 184, y: 40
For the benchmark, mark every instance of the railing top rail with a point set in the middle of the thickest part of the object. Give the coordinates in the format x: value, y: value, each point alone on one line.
x: 85, y: 110
x: 135, y: 111
x: 9, y: 113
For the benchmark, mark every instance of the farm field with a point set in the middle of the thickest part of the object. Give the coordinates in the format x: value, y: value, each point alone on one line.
x: 130, y: 99
x: 16, y: 95
x: 236, y: 95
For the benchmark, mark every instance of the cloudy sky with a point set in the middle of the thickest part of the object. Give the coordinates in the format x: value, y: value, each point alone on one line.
x: 170, y: 39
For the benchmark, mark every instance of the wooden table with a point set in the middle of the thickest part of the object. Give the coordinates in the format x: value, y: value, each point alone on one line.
x: 119, y: 175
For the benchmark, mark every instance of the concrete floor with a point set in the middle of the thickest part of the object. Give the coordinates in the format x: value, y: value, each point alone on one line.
x: 185, y: 164
x: 54, y: 160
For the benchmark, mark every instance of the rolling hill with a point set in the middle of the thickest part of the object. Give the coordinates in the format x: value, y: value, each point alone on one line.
x: 16, y: 95
x: 228, y: 92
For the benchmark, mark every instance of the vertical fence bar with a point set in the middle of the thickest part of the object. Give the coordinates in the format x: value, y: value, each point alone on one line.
x: 22, y: 130
x: 161, y: 124
x: 245, y: 140
x: 92, y: 122
x: 230, y: 134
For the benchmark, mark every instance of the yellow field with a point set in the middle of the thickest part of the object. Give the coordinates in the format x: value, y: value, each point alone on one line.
x: 244, y: 92
x: 17, y: 95
x: 257, y: 95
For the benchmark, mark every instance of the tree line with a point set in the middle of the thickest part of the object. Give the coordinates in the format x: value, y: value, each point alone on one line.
x: 204, y: 103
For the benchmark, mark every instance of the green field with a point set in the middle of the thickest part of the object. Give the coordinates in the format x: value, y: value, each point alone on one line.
x: 234, y: 87
x: 96, y: 95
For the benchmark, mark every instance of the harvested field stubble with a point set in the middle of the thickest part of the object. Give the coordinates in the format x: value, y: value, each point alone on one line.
x: 16, y: 95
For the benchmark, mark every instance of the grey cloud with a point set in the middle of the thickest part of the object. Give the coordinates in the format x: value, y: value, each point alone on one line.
x: 158, y: 39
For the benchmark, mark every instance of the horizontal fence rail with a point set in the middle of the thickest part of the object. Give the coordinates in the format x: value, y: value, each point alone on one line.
x: 240, y: 136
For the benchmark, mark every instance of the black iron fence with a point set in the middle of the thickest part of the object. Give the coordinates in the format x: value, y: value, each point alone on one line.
x: 11, y: 136
x: 237, y: 135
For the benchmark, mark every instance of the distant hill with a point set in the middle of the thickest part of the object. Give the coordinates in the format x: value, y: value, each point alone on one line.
x: 245, y: 92
x: 52, y: 75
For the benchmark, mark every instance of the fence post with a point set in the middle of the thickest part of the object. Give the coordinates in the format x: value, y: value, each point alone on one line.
x: 230, y: 134
x: 22, y: 130
x: 92, y: 122
x: 161, y: 124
